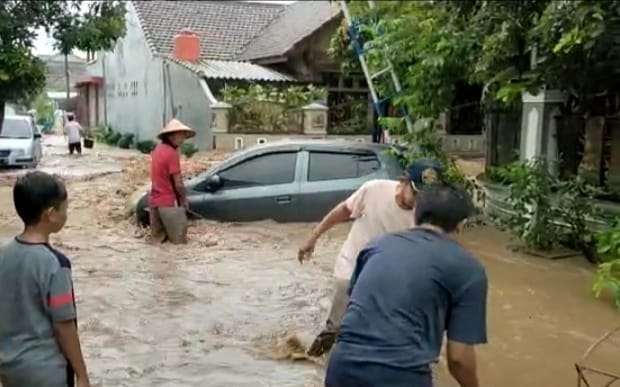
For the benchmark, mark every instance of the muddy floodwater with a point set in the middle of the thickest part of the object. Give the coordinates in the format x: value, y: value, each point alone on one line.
x: 216, y: 312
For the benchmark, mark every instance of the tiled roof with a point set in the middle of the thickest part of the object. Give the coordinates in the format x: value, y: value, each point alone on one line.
x: 217, y: 69
x: 298, y: 21
x: 224, y: 27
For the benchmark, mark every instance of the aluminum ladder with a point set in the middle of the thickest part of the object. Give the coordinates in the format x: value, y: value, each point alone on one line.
x: 358, y: 47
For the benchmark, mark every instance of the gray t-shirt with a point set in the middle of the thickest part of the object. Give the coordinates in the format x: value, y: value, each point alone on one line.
x: 36, y: 291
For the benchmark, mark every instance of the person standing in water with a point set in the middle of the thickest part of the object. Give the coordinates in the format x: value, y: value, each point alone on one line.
x: 167, y: 200
x: 378, y: 207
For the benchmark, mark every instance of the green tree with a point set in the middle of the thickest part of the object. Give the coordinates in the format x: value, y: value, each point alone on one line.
x: 98, y: 29
x: 22, y: 75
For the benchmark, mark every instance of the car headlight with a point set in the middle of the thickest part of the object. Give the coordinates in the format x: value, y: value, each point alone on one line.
x: 18, y: 152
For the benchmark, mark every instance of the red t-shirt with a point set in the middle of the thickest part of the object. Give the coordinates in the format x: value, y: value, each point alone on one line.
x: 165, y: 162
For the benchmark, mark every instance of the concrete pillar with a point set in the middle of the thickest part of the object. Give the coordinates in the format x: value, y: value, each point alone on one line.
x: 220, y: 122
x: 315, y: 119
x: 538, y: 126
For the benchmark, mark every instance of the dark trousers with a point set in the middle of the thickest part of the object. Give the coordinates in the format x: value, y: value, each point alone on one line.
x: 342, y: 371
x: 76, y: 146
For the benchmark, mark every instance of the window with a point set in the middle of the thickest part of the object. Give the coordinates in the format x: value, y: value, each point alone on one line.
x: 269, y: 169
x: 238, y: 143
x: 15, y: 128
x: 335, y: 166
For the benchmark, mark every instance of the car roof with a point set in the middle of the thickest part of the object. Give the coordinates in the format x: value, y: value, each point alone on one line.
x: 20, y: 118
x: 318, y: 144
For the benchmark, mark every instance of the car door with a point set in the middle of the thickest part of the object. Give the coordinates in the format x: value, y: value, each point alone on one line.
x: 332, y: 176
x: 264, y: 186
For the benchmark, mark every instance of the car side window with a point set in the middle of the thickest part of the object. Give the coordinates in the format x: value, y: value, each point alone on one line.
x: 336, y: 166
x: 268, y: 169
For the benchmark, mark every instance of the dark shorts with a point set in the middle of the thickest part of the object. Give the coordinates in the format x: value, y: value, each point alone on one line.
x: 41, y: 376
x: 342, y: 371
x: 76, y: 146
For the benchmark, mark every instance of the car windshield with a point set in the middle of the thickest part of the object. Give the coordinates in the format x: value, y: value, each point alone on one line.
x: 15, y: 128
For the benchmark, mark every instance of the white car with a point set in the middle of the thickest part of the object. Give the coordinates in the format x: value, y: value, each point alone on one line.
x: 20, y: 142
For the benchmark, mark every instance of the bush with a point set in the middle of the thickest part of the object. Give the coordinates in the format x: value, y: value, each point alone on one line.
x: 189, y: 149
x: 114, y: 138
x: 145, y: 147
x: 126, y: 141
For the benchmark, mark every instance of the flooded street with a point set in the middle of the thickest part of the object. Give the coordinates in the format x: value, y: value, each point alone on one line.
x: 215, y: 312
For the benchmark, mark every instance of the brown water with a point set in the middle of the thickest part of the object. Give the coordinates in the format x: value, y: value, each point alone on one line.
x: 218, y: 311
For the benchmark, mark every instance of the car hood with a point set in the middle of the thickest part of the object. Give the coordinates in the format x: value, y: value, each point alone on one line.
x: 15, y: 143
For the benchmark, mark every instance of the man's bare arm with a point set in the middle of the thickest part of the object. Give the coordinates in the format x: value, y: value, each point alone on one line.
x: 462, y: 363
x: 339, y: 214
x: 69, y: 342
x: 179, y: 189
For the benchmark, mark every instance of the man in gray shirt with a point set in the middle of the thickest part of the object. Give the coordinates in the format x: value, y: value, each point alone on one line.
x: 39, y: 344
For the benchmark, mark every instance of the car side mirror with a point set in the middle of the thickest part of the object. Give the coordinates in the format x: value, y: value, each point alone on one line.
x: 37, y: 135
x: 212, y: 183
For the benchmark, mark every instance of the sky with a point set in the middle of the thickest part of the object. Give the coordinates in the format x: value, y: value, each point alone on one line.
x: 43, y: 44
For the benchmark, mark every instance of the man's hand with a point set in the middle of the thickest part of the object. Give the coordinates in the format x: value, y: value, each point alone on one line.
x: 83, y: 382
x: 306, y: 251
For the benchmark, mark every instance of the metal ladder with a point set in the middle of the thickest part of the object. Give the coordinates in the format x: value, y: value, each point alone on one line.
x: 358, y: 47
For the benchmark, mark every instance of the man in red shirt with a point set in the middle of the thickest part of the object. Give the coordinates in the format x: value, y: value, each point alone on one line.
x: 167, y: 200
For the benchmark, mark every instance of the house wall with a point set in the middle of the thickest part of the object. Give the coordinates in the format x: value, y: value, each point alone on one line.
x: 186, y: 101
x: 133, y: 84
x: 309, y: 59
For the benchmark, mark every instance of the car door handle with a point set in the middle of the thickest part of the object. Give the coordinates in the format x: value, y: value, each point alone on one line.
x: 286, y: 199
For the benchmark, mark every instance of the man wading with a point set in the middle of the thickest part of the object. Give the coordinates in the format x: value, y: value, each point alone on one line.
x: 378, y: 207
x: 167, y: 201
x: 408, y: 289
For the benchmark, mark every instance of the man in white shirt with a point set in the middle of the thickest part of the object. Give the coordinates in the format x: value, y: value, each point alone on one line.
x: 377, y: 208
x: 73, y: 131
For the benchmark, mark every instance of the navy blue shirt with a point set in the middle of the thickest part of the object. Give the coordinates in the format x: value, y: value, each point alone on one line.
x: 408, y: 289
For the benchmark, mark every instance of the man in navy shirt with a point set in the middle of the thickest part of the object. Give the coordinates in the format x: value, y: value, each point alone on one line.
x: 408, y: 289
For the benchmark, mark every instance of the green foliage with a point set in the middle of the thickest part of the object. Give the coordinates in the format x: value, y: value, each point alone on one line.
x: 508, y: 174
x: 575, y: 210
x: 435, y: 44
x: 531, y: 198
x: 268, y: 108
x: 97, y: 29
x: 608, y: 278
x: 188, y: 149
x: 111, y: 137
x: 45, y: 112
x: 22, y: 75
x: 608, y: 273
x: 146, y: 146
x: 125, y: 141
x: 608, y: 242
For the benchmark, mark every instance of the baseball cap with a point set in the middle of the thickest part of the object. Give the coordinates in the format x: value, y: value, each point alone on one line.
x: 423, y: 172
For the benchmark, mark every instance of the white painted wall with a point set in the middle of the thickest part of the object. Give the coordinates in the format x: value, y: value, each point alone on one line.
x: 133, y: 83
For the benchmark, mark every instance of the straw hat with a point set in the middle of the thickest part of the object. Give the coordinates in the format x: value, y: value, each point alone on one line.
x: 177, y: 126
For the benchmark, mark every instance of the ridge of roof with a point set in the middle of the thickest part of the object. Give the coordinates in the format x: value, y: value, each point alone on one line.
x: 298, y: 21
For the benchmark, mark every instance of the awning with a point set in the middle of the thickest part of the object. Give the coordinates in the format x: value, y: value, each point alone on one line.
x: 218, y: 69
x: 89, y: 80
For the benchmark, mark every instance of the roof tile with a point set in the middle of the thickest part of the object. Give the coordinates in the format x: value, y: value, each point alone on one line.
x: 224, y: 27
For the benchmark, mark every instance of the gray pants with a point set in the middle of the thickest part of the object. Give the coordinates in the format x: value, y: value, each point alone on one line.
x: 340, y: 301
x: 168, y: 223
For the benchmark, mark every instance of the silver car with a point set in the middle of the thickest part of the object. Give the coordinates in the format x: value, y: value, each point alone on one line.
x: 295, y: 181
x: 20, y: 142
